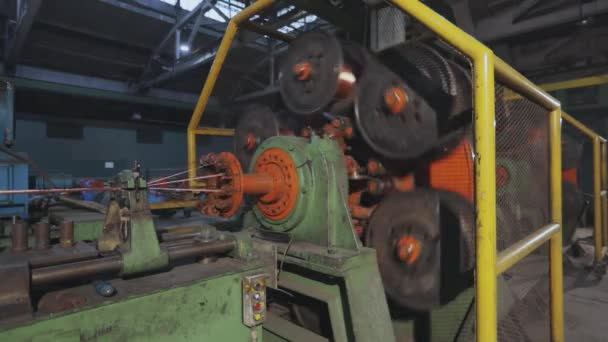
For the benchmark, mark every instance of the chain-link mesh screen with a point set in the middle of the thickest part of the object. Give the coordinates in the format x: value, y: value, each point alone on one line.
x: 522, y: 184
x: 577, y: 185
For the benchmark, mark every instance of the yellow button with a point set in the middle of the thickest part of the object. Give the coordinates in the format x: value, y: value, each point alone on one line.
x: 257, y: 316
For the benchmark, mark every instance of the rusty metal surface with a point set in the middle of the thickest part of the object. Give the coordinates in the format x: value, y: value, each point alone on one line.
x: 42, y: 232
x: 19, y: 237
x: 14, y: 287
x: 78, y: 270
x: 66, y: 234
x: 60, y: 255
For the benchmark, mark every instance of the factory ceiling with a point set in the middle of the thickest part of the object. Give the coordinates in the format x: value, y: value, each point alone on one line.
x: 127, y: 50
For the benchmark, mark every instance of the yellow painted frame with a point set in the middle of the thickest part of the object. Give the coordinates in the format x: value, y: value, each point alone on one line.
x: 600, y: 204
x: 486, y: 66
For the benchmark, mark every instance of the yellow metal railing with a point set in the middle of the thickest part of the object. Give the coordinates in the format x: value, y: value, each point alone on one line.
x: 600, y: 208
x: 485, y: 67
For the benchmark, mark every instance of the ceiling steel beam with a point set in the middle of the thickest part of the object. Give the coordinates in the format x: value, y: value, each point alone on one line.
x: 501, y: 26
x: 180, y: 68
x: 523, y: 9
x: 24, y: 25
x: 52, y: 81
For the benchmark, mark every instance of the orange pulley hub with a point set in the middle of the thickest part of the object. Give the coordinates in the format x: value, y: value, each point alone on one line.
x: 274, y: 181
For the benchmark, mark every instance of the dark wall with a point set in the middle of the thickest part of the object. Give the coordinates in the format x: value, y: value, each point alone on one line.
x: 86, y: 156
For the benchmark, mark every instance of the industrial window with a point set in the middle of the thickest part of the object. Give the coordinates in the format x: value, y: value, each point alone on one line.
x: 149, y: 135
x: 64, y: 130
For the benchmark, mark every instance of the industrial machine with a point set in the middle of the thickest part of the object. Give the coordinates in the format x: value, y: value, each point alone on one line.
x: 357, y: 205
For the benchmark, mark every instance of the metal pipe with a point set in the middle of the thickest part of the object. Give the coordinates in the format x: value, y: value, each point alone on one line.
x: 521, y: 249
x: 180, y: 68
x: 113, y: 264
x: 38, y: 261
x: 200, y: 249
x: 555, y: 246
x: 42, y: 232
x: 485, y: 198
x: 19, y: 237
x: 581, y: 127
x: 82, y: 269
x: 604, y: 170
x: 214, y: 131
x: 597, y: 198
x: 66, y: 234
x: 519, y: 83
x: 257, y: 184
x: 168, y: 237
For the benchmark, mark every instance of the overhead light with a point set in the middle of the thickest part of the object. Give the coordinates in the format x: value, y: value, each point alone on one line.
x: 136, y: 116
x: 184, y: 48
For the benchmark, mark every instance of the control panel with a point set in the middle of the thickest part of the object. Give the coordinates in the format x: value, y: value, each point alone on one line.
x: 254, y: 299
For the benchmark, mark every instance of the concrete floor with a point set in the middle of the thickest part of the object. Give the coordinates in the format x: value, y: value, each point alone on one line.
x: 585, y: 300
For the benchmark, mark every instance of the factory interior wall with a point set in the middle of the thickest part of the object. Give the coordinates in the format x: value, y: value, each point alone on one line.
x: 87, y: 157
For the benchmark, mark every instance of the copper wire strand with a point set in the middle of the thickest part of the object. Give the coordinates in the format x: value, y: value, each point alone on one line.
x: 155, y: 181
x: 188, y: 179
x: 53, y: 191
x: 186, y: 190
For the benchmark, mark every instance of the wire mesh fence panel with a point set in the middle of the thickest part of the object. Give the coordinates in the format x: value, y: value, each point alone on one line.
x: 523, y: 201
x: 577, y: 185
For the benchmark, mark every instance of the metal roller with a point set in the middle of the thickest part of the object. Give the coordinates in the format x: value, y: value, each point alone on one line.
x: 444, y: 83
x: 314, y: 73
x: 392, y: 118
x: 256, y: 125
x: 413, y: 234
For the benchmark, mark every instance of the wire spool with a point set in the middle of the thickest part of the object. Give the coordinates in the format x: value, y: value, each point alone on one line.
x: 454, y: 170
x: 423, y: 250
x: 256, y: 125
x: 314, y: 73
x: 444, y: 83
x: 392, y: 119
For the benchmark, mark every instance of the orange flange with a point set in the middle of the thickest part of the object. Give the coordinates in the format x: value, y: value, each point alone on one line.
x: 228, y: 201
x: 281, y: 200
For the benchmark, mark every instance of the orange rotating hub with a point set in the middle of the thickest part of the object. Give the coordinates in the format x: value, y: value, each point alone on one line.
x: 274, y: 181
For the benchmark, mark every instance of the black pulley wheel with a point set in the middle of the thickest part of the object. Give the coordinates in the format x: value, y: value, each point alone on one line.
x: 309, y: 75
x: 408, y: 220
x: 255, y: 125
x: 458, y: 230
x: 398, y: 132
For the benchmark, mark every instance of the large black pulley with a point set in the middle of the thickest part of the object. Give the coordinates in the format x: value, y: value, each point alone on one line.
x: 424, y: 243
x: 255, y: 125
x: 392, y: 119
x: 310, y: 74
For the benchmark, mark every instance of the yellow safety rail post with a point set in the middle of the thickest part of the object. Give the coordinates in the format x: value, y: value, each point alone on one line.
x: 604, y: 171
x: 599, y: 188
x: 485, y: 66
x: 218, y: 62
